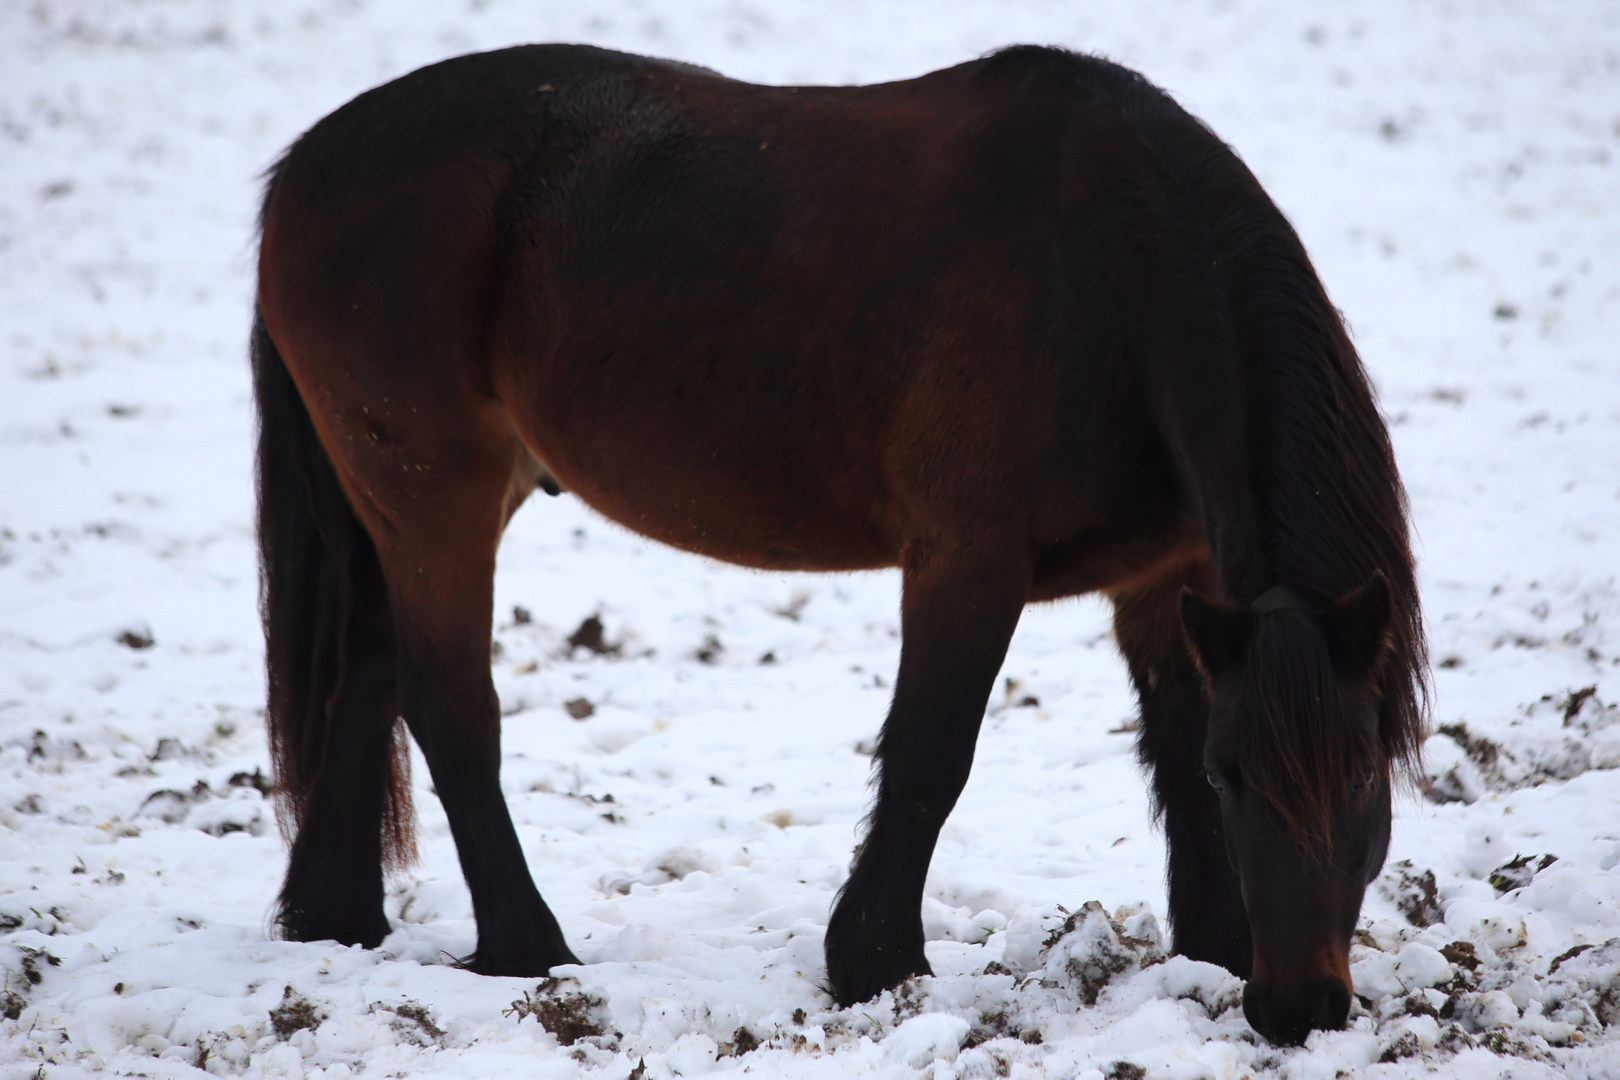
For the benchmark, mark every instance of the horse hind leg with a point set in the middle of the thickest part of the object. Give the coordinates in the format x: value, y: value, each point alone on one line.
x: 959, y: 608
x: 1207, y: 916
x: 441, y: 488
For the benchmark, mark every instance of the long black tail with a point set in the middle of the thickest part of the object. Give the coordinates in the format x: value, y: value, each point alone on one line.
x: 318, y: 569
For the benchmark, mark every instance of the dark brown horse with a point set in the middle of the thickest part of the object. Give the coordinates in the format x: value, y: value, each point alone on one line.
x: 1022, y: 328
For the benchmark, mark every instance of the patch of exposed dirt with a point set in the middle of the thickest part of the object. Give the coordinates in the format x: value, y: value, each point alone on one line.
x: 571, y: 1015
x: 295, y: 1013
x: 1415, y: 893
x: 589, y: 636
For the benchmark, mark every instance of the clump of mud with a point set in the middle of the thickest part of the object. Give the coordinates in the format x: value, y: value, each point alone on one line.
x: 570, y: 1015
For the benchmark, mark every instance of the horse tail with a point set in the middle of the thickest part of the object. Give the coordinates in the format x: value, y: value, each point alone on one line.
x: 318, y: 572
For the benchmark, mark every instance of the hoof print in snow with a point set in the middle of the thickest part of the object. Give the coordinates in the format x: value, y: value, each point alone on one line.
x: 570, y: 1016
x: 294, y: 1014
x: 1415, y: 893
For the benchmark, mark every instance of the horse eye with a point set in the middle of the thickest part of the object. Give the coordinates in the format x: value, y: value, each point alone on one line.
x: 1216, y: 781
x: 1363, y: 782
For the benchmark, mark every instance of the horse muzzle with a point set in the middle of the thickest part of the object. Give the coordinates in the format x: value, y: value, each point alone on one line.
x: 1287, y: 1009
x: 1286, y: 1018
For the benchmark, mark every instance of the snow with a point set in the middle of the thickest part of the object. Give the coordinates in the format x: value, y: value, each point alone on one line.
x: 1453, y: 170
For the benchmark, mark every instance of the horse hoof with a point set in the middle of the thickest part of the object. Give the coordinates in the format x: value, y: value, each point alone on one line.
x: 529, y: 964
x: 853, y: 987
x: 855, y: 975
x: 363, y: 933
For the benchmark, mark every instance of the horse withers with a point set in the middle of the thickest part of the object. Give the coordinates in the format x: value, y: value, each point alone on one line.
x: 1021, y: 328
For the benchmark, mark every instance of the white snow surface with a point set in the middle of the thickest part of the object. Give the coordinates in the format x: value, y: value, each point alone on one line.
x: 1453, y: 170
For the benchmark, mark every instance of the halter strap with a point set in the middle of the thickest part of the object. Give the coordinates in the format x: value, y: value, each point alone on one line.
x: 1277, y: 598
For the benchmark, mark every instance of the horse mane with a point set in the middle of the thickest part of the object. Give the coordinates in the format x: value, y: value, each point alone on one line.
x: 1329, y: 502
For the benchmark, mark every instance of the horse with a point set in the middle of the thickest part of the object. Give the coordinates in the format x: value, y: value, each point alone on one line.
x: 1022, y: 328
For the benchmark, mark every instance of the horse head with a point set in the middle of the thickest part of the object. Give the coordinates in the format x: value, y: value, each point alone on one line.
x: 1294, y: 749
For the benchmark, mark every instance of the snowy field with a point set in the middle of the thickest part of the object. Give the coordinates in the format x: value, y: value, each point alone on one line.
x: 1455, y: 171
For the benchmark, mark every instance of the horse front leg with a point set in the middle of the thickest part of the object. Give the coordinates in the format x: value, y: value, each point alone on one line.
x: 960, y: 604
x: 1207, y: 917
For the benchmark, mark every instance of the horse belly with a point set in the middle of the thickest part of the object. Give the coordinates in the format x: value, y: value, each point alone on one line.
x: 702, y: 487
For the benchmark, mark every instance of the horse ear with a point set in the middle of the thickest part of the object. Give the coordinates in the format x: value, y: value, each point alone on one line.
x: 1217, y: 633
x: 1358, y: 626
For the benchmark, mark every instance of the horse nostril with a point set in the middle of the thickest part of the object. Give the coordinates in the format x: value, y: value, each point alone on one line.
x: 1255, y: 1010
x: 1286, y: 1019
x: 1332, y: 1004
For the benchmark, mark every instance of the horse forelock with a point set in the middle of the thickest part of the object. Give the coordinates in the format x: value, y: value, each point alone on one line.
x: 1298, y: 745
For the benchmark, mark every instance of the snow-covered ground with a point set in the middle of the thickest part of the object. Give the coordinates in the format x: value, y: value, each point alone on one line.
x: 1453, y: 169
